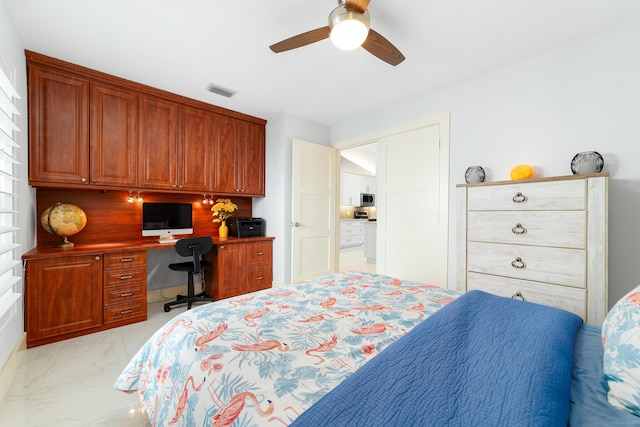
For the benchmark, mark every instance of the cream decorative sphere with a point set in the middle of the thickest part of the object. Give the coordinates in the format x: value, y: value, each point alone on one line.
x: 64, y: 220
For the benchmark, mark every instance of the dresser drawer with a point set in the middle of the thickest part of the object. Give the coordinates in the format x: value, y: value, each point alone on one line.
x: 570, y: 299
x: 555, y: 195
x: 125, y: 259
x: 126, y: 293
x: 541, y: 264
x: 124, y: 276
x: 540, y: 228
x: 125, y: 312
x: 258, y: 253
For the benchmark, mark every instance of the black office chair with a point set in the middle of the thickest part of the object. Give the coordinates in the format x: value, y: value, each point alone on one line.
x: 195, y: 247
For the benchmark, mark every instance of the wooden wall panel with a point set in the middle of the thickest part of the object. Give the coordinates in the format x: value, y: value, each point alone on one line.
x: 111, y: 219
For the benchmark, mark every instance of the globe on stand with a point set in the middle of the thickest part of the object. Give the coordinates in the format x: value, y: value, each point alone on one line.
x: 64, y: 220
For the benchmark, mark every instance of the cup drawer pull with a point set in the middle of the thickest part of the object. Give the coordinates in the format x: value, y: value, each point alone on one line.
x: 518, y: 295
x: 518, y: 229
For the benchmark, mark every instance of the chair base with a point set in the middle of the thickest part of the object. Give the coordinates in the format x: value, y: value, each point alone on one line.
x: 182, y: 299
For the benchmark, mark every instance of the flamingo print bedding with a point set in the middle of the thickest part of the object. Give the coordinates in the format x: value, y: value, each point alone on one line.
x: 264, y: 358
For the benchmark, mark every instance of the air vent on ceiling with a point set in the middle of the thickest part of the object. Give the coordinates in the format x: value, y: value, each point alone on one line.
x: 221, y: 90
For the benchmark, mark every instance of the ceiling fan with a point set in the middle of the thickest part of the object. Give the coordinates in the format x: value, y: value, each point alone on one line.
x: 351, y: 17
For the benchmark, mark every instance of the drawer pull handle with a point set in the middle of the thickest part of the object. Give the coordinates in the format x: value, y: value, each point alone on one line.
x: 518, y: 229
x: 126, y: 312
x: 260, y: 253
x: 126, y: 260
x: 518, y: 295
x: 259, y: 278
x: 129, y: 276
x: 126, y: 294
x: 518, y: 263
x: 519, y: 198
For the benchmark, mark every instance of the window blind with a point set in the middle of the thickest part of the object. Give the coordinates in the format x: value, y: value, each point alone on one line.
x: 9, y: 257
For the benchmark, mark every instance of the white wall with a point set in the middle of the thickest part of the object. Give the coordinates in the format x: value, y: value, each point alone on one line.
x: 582, y: 96
x: 275, y: 208
x: 12, y: 51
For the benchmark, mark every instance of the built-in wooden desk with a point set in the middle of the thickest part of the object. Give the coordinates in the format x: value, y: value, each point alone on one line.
x: 92, y: 287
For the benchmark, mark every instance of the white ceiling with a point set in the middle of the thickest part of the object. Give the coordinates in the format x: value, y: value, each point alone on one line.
x: 183, y: 45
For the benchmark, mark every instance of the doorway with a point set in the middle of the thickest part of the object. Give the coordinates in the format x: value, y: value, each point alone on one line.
x: 357, y: 229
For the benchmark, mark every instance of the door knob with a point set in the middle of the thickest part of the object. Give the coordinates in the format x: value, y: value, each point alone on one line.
x: 296, y: 224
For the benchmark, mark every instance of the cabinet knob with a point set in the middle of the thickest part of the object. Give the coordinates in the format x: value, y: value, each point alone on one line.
x: 181, y: 186
x: 94, y: 181
x: 83, y: 180
x: 174, y: 186
x: 222, y: 247
x: 97, y: 258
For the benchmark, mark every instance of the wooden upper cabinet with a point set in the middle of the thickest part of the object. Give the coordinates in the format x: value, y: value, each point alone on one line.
x: 239, y: 151
x: 158, y: 144
x: 58, y: 128
x: 114, y: 137
x: 195, y: 149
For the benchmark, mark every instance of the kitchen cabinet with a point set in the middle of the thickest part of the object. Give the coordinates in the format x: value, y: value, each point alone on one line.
x: 240, y: 267
x: 63, y: 295
x: 71, y: 295
x: 351, y: 233
x: 195, y: 149
x: 239, y: 156
x: 542, y: 240
x: 351, y: 185
x: 76, y: 127
x: 370, y: 235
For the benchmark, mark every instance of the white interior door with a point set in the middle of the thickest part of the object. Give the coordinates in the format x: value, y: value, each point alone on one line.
x: 412, y: 205
x: 314, y: 193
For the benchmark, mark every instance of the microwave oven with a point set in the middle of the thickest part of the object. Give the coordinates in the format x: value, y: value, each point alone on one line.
x: 367, y: 199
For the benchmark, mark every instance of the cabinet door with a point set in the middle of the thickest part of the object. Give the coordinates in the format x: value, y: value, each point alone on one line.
x: 226, y: 154
x: 114, y: 139
x: 63, y: 295
x: 194, y: 150
x: 58, y: 128
x: 158, y: 144
x: 230, y: 270
x: 252, y: 159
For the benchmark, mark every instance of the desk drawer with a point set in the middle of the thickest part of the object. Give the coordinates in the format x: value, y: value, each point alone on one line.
x: 258, y: 278
x: 550, y: 265
x: 121, y: 294
x: 125, y: 259
x: 124, y: 276
x: 258, y: 253
x: 125, y: 312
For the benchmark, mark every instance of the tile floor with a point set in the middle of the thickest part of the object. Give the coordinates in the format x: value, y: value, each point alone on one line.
x: 69, y: 383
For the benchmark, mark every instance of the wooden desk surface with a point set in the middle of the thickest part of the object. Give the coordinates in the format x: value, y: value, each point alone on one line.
x: 142, y: 245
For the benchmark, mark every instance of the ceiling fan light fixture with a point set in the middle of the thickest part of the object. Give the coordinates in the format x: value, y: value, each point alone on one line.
x: 349, y: 29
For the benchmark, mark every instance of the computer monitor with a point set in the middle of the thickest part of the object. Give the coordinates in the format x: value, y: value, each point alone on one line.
x: 166, y: 220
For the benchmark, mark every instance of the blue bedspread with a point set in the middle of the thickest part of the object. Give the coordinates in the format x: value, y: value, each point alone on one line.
x: 482, y: 360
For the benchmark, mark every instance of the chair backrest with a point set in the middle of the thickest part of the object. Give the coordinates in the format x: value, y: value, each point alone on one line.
x: 196, y: 247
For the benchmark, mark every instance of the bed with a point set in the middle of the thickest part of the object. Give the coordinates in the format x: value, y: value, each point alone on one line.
x: 363, y: 349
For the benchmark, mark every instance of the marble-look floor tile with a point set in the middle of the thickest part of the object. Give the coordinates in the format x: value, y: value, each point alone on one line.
x: 70, y: 383
x: 353, y: 259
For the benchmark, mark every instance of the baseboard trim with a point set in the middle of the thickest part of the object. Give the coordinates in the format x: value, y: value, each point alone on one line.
x: 10, y: 368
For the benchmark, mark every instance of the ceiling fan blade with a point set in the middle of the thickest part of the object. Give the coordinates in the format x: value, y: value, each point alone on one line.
x: 378, y: 46
x: 357, y: 5
x: 301, y: 40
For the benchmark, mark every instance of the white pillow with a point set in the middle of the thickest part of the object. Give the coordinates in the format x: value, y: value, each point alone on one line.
x: 621, y: 363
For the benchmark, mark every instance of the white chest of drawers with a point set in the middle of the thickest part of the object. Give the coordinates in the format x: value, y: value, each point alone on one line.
x: 542, y: 240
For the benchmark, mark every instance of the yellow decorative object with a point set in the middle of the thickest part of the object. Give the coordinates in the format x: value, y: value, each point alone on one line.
x: 64, y: 220
x: 223, y: 209
x: 223, y: 231
x: 521, y: 172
